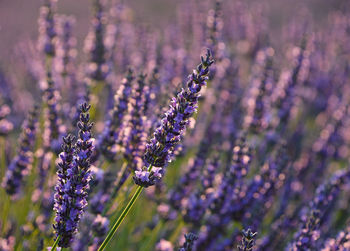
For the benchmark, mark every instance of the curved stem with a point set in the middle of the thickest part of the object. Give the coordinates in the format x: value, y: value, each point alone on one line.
x: 56, y: 243
x: 120, y: 219
x: 122, y: 216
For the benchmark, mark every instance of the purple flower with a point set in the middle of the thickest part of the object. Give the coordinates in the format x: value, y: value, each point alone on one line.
x: 147, y: 178
x: 54, y: 128
x: 214, y: 27
x: 5, y: 125
x: 164, y: 245
x: 103, y: 195
x: 100, y: 228
x: 160, y: 148
x: 47, y: 31
x: 7, y: 243
x: 197, y: 204
x: 73, y: 180
x: 248, y: 240
x: 66, y: 51
x: 190, y: 238
x: 112, y: 130
x: 21, y: 164
x: 285, y: 92
x: 261, y: 82
x: 134, y: 137
x: 308, y: 234
x: 340, y: 243
x: 98, y: 68
x: 227, y: 196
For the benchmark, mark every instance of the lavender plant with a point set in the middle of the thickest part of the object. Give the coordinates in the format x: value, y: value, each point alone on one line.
x: 160, y: 148
x: 259, y: 139
x: 247, y: 240
x: 73, y: 180
x: 21, y: 165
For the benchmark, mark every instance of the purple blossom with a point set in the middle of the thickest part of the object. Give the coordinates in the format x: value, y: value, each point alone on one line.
x: 112, y: 131
x: 164, y: 245
x: 190, y: 238
x: 100, y: 228
x: 308, y: 234
x: 54, y: 129
x: 160, y: 148
x: 73, y: 180
x: 47, y: 31
x: 227, y: 196
x: 98, y: 68
x: 7, y: 243
x: 5, y: 125
x: 103, y: 195
x: 147, y: 178
x: 261, y: 82
x: 248, y: 240
x: 197, y: 203
x: 134, y: 137
x: 21, y: 164
x: 340, y: 243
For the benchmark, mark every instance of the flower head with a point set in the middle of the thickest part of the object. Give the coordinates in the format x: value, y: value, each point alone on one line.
x: 73, y: 179
x: 160, y: 148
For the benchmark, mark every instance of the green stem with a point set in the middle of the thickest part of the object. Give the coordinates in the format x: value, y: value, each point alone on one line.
x: 152, y: 238
x: 56, y: 243
x: 6, y: 210
x: 120, y: 219
x: 176, y: 232
x: 122, y: 216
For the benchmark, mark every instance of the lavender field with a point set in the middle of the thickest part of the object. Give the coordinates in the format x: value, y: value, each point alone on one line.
x: 187, y: 125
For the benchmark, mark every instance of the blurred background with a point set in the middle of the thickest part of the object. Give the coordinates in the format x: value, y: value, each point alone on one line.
x: 18, y: 18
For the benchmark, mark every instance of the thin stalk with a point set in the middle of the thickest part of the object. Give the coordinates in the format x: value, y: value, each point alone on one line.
x: 96, y: 89
x: 56, y: 243
x: 176, y: 232
x: 153, y: 237
x: 5, y: 212
x: 105, y: 165
x: 121, y: 218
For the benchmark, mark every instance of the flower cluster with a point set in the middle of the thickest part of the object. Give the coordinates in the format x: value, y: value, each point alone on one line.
x: 190, y: 238
x: 247, y: 240
x: 21, y: 164
x: 98, y: 69
x: 112, y: 130
x: 134, y: 132
x: 47, y: 29
x: 73, y: 180
x: 5, y: 125
x: 160, y: 148
x: 54, y: 129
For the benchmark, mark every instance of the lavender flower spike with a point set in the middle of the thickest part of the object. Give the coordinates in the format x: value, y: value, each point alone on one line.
x: 190, y: 239
x: 73, y: 180
x: 112, y: 131
x: 21, y: 164
x: 61, y: 206
x: 247, y: 240
x: 160, y: 148
x: 340, y: 243
x: 47, y: 31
